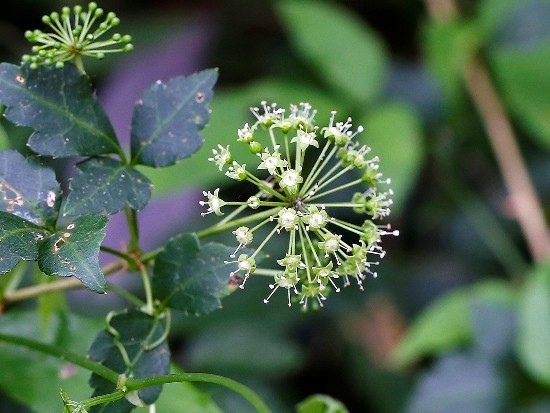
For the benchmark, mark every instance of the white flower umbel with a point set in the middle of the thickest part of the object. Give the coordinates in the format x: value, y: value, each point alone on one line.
x: 298, y: 166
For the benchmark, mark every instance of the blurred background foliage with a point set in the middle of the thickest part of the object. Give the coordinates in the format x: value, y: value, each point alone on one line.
x: 459, y: 318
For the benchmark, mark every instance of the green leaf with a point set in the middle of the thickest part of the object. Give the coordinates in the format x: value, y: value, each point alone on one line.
x: 447, y: 323
x: 18, y: 240
x: 73, y: 251
x: 106, y: 185
x: 167, y: 120
x: 230, y: 111
x: 320, y: 403
x: 533, y: 343
x: 449, y: 45
x: 33, y: 379
x: 60, y: 106
x: 394, y: 133
x: 190, y: 277
x: 135, y: 332
x: 28, y: 189
x: 342, y: 48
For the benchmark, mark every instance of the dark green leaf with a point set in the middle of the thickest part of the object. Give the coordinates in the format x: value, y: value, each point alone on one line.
x: 533, y: 343
x: 319, y: 403
x: 342, y: 48
x: 230, y: 111
x: 459, y: 383
x: 135, y: 332
x: 190, y: 277
x: 167, y: 121
x: 28, y: 189
x: 60, y: 106
x: 106, y: 185
x: 74, y: 250
x: 18, y: 240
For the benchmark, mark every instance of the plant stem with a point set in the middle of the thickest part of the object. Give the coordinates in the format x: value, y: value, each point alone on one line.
x: 147, y: 287
x: 523, y: 196
x: 130, y: 383
x: 244, y: 391
x: 131, y: 218
x: 62, y: 354
x: 236, y: 223
x: 60, y: 285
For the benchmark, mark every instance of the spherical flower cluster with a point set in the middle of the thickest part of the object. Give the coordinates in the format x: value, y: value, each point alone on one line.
x: 78, y: 37
x: 301, y: 170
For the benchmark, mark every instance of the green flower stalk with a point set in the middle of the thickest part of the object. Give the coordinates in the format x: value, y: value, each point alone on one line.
x: 75, y: 33
x: 303, y: 176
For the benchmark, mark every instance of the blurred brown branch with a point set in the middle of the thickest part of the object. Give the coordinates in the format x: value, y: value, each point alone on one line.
x: 525, y: 201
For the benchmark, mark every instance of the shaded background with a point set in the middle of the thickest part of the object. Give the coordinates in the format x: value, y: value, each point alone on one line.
x: 456, y: 274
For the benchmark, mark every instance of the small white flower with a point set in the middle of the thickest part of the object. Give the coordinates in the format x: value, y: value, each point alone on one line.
x: 288, y: 219
x: 245, y: 134
x: 221, y: 157
x: 215, y: 203
x: 305, y: 139
x: 290, y: 179
x: 272, y: 161
x: 236, y: 171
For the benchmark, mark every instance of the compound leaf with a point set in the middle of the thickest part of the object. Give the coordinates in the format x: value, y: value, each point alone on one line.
x: 60, y: 106
x: 135, y: 331
x: 28, y: 189
x: 106, y: 185
x: 190, y: 277
x: 74, y: 250
x: 167, y: 120
x: 18, y: 240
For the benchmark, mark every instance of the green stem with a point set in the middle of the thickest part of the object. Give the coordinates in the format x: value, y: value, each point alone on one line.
x: 244, y: 391
x: 148, y: 290
x: 79, y: 64
x: 122, y: 292
x: 117, y: 253
x: 131, y: 218
x: 235, y: 223
x: 104, y: 398
x: 134, y: 384
x: 58, y: 352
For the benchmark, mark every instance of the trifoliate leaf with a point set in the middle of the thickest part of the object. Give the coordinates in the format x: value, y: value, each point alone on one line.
x: 106, y: 185
x: 190, y: 277
x: 167, y: 120
x: 28, y: 189
x: 73, y: 251
x: 18, y: 240
x: 60, y: 106
x: 137, y: 333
